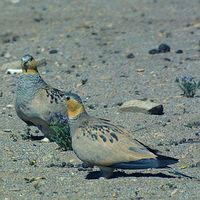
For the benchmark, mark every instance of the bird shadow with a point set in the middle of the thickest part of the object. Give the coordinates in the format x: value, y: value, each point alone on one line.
x: 97, y: 175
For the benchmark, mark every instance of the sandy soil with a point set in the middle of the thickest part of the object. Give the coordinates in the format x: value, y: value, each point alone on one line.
x: 92, y: 40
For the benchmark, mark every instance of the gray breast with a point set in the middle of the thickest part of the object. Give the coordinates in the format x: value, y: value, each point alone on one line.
x: 27, y: 86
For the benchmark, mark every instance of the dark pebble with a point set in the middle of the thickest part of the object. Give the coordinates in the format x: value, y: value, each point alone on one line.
x: 82, y: 169
x: 38, y: 19
x: 130, y: 55
x: 84, y: 81
x: 1, y: 94
x: 85, y: 165
x: 197, y: 134
x: 93, y: 106
x: 124, y: 76
x: 119, y: 104
x: 154, y: 51
x: 137, y: 92
x: 69, y: 165
x: 163, y: 48
x: 53, y: 51
x: 190, y: 140
x: 50, y: 165
x: 37, y: 131
x: 63, y: 164
x: 167, y: 59
x: 182, y: 141
x: 179, y: 51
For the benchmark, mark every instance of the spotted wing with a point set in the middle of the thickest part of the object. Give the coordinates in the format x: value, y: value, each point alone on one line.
x: 99, y: 142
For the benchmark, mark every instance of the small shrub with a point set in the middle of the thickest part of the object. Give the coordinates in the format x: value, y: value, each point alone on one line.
x: 188, y: 85
x: 59, y: 123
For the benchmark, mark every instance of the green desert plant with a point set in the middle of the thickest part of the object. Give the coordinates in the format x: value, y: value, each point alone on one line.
x: 59, y: 124
x: 188, y: 85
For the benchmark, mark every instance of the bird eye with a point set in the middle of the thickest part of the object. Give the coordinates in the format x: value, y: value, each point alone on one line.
x: 68, y: 98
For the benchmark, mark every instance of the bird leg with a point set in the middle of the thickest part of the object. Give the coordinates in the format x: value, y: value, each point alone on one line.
x: 106, y: 172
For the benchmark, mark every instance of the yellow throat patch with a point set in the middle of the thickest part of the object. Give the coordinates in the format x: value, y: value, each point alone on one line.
x: 74, y: 108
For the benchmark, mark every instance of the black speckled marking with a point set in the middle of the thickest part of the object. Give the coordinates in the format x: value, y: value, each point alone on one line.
x: 94, y: 136
x: 55, y: 95
x: 111, y: 140
x: 114, y: 136
x: 103, y: 138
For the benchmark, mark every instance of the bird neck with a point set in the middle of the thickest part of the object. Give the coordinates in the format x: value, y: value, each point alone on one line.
x: 73, y: 122
x: 30, y: 71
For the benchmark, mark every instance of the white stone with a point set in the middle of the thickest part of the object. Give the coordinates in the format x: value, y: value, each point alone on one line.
x: 141, y: 106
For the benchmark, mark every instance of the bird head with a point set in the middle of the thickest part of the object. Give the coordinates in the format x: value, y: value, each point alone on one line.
x: 29, y: 64
x: 75, y: 105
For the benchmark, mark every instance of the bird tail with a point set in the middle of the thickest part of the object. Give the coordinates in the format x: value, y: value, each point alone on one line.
x: 146, y: 163
x: 164, y: 161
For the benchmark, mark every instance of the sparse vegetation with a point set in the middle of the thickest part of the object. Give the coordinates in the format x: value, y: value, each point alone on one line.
x: 188, y: 85
x: 59, y: 124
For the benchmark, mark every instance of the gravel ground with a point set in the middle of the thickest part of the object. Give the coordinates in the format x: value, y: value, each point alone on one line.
x: 104, y: 44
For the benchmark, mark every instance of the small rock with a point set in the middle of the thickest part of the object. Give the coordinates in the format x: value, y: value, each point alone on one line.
x: 167, y: 59
x: 146, y: 107
x: 45, y: 140
x: 93, y: 106
x: 84, y: 81
x: 197, y: 133
x: 72, y: 161
x: 10, y: 106
x: 139, y: 70
x: 130, y: 55
x: 79, y: 85
x: 14, y: 71
x: 183, y: 140
x: 174, y: 192
x: 163, y: 48
x: 63, y: 164
x: 179, y: 51
x: 70, y: 165
x: 53, y: 51
x: 154, y: 51
x: 7, y: 130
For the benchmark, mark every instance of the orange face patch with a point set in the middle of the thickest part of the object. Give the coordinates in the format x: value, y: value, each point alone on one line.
x: 30, y: 67
x: 74, y: 108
